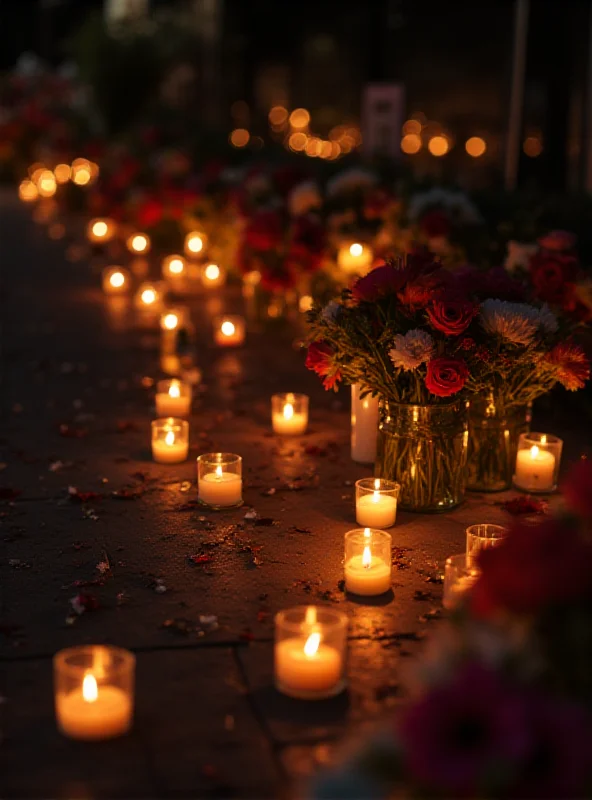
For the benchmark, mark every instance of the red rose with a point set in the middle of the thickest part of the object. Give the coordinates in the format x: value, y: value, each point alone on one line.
x: 558, y: 241
x: 380, y: 282
x: 577, y: 488
x: 552, y: 275
x: 532, y: 568
x: 451, y: 316
x: 319, y: 359
x: 435, y: 224
x: 446, y: 376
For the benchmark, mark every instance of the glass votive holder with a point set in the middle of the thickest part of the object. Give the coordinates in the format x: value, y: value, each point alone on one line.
x: 460, y: 574
x: 367, y: 561
x: 170, y: 440
x: 101, y: 230
x: 480, y: 537
x: 174, y: 267
x: 289, y: 414
x: 213, y: 275
x: 220, y: 480
x: 173, y: 398
x: 229, y: 331
x: 149, y: 297
x: 376, y: 502
x: 195, y: 244
x: 94, y: 691
x: 138, y: 243
x: 310, y: 652
x: 537, y: 462
x: 116, y: 280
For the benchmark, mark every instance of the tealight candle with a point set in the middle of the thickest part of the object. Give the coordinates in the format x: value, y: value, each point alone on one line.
x: 173, y: 398
x: 355, y: 258
x: 116, y: 280
x: 219, y: 480
x: 172, y: 320
x: 170, y: 440
x: 364, y: 426
x: 94, y: 691
x: 138, y: 243
x: 537, y: 462
x: 99, y: 231
x: 149, y: 297
x: 376, y: 502
x: 480, y: 537
x: 367, y: 562
x: 213, y: 275
x: 460, y: 575
x: 174, y: 267
x: 289, y: 414
x: 229, y: 331
x: 309, y: 653
x: 195, y: 243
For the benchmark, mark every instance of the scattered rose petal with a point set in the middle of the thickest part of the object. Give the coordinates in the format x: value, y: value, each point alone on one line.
x: 82, y: 497
x: 200, y: 558
x: 82, y: 602
x: 123, y: 426
x: 251, y: 514
x: 525, y: 505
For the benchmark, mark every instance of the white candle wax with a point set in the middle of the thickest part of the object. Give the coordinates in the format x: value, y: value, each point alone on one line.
x: 289, y: 422
x: 535, y: 469
x: 364, y: 427
x: 108, y: 716
x: 367, y: 577
x: 170, y: 450
x: 376, y: 510
x: 298, y: 673
x: 173, y: 403
x: 220, y: 489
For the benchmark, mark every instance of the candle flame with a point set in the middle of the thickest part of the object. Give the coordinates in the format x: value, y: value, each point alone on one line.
x: 139, y: 243
x: 534, y: 452
x: 219, y: 471
x: 367, y: 533
x: 148, y: 296
x: 376, y: 493
x: 310, y: 618
x: 228, y: 328
x: 288, y: 411
x: 356, y: 249
x: 212, y: 272
x: 170, y: 321
x: 169, y: 439
x: 174, y: 389
x: 195, y: 243
x: 312, y: 644
x: 90, y: 690
x: 100, y: 228
x: 176, y: 266
x: 544, y: 438
x: 117, y: 279
x: 367, y: 557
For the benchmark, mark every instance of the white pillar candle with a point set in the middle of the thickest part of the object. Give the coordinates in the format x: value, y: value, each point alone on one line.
x: 376, y: 509
x: 289, y: 414
x: 355, y: 258
x: 93, y: 712
x: 535, y: 470
x: 364, y: 426
x: 173, y: 399
x: 367, y: 562
x: 218, y: 488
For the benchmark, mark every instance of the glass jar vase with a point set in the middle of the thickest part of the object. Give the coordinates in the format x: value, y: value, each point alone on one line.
x: 493, y: 442
x: 424, y: 448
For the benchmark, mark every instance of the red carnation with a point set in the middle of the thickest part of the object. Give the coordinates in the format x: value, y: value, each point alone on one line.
x: 451, y: 316
x: 552, y: 275
x: 380, y: 282
x: 435, y: 224
x: 577, y: 488
x: 446, y: 376
x: 571, y: 365
x: 558, y: 241
x: 319, y: 359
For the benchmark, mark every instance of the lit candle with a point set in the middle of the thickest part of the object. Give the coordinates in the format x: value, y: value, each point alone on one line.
x: 138, y: 243
x: 213, y: 275
x: 229, y: 331
x: 219, y: 480
x: 195, y: 243
x: 148, y: 297
x: 364, y: 426
x: 310, y: 652
x: 535, y: 470
x: 116, y: 280
x: 94, y: 692
x: 289, y: 414
x: 376, y: 502
x: 355, y: 258
x: 100, y: 230
x: 173, y: 398
x: 174, y: 267
x: 367, y: 562
x: 171, y: 322
x: 170, y: 440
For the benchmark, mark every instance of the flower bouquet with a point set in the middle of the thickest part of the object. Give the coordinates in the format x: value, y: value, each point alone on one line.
x: 502, y: 705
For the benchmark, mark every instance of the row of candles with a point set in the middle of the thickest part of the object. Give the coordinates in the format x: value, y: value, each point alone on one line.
x: 94, y: 684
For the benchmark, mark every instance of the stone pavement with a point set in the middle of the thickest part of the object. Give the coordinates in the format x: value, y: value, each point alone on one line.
x: 76, y: 412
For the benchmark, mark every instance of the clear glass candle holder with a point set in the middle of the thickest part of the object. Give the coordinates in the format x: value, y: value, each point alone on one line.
x: 367, y: 561
x: 116, y: 280
x: 170, y: 440
x: 537, y: 462
x: 376, y: 502
x: 460, y: 574
x: 94, y: 691
x: 480, y: 537
x: 289, y: 414
x: 139, y: 243
x: 173, y: 398
x: 174, y: 267
x: 220, y: 480
x: 195, y: 244
x: 149, y: 297
x: 101, y: 230
x: 229, y: 331
x: 213, y: 275
x: 310, y: 652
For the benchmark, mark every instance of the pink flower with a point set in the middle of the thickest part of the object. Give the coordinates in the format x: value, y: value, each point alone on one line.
x: 320, y: 359
x: 559, y: 241
x: 571, y: 365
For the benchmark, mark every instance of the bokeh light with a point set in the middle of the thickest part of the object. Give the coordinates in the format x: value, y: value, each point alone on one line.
x: 532, y: 146
x: 412, y: 126
x: 299, y: 118
x: 313, y: 147
x: 475, y: 146
x: 278, y: 116
x: 240, y: 137
x: 28, y: 191
x: 411, y: 143
x: 47, y: 184
x: 81, y: 176
x: 438, y: 146
x: 297, y: 141
x: 62, y: 173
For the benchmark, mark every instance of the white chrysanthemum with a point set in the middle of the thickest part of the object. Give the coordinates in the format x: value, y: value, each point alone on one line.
x: 516, y: 322
x: 414, y: 348
x: 349, y: 180
x: 519, y: 254
x: 304, y: 197
x: 331, y: 310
